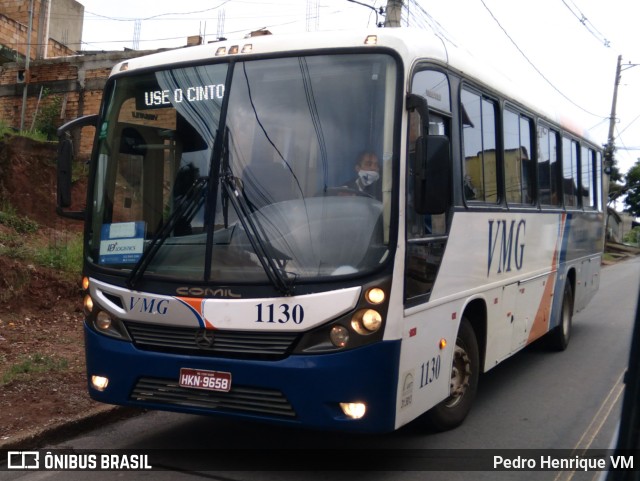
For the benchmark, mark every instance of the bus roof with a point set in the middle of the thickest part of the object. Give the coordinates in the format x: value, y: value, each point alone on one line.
x: 410, y: 43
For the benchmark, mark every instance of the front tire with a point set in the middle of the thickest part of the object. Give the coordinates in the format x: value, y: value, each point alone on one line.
x: 465, y: 372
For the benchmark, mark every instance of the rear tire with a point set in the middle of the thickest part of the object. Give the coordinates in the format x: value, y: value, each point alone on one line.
x: 465, y: 372
x: 558, y: 338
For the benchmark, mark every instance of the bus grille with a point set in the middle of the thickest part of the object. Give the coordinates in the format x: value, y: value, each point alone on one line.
x: 240, y: 399
x: 224, y: 343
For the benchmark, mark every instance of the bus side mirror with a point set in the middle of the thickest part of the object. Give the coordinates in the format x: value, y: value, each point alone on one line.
x: 432, y: 165
x: 64, y: 163
x: 432, y: 175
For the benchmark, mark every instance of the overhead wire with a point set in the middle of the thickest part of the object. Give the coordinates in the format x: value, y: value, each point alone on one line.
x: 629, y: 124
x: 157, y: 17
x: 422, y: 17
x: 585, y: 21
x: 524, y: 55
x: 160, y: 14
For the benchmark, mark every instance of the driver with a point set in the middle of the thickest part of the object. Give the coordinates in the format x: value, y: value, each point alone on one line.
x: 367, y: 180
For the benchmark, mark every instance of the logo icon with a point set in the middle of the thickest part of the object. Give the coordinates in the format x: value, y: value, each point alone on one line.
x: 23, y: 459
x: 204, y: 339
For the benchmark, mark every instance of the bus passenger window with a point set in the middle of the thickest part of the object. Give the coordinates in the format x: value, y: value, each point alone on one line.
x: 597, y: 188
x: 586, y: 171
x: 548, y: 167
x: 570, y: 172
x: 517, y: 159
x: 479, y: 131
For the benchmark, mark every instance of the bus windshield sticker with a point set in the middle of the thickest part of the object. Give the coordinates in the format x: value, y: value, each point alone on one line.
x: 121, y: 243
x: 158, y: 98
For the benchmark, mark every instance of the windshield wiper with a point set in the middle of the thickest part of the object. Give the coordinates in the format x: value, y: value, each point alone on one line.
x: 186, y: 208
x: 265, y: 252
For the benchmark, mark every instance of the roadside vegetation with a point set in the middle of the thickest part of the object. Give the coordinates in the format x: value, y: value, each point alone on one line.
x: 21, y: 242
x: 633, y: 237
x: 32, y: 364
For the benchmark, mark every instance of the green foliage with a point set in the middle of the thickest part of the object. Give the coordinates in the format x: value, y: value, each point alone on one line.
x: 632, y: 237
x: 632, y: 188
x: 6, y: 130
x: 48, y: 115
x: 45, y: 123
x: 10, y: 218
x: 62, y: 257
x: 34, y: 364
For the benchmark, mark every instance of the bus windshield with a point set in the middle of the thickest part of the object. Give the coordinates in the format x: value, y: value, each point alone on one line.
x: 247, y: 172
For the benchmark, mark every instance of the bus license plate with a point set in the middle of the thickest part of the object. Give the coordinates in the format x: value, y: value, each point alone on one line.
x: 208, y: 380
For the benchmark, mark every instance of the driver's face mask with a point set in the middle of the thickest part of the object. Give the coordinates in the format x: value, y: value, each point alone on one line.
x: 368, y: 177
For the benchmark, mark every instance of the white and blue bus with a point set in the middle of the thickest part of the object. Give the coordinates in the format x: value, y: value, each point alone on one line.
x: 332, y: 230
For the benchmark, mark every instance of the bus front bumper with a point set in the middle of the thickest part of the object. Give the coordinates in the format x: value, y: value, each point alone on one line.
x: 304, y: 390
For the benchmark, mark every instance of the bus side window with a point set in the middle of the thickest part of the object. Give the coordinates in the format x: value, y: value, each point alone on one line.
x: 518, y: 163
x: 570, y: 172
x: 549, y: 174
x: 480, y: 179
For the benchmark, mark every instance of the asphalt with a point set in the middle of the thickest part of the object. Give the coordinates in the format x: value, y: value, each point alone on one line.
x: 67, y: 428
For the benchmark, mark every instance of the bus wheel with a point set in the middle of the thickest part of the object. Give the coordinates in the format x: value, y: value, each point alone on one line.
x: 464, y: 382
x: 558, y: 338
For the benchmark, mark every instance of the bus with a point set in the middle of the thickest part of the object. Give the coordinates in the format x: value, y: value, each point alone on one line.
x: 338, y: 231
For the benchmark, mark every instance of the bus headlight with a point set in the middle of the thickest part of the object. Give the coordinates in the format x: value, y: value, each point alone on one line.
x: 99, y: 383
x: 362, y: 326
x: 103, y: 321
x: 375, y: 296
x: 353, y: 410
x: 106, y: 324
x: 339, y: 336
x: 87, y: 305
x: 366, y: 321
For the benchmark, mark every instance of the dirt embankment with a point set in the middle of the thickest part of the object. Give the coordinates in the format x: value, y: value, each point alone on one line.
x: 42, y: 378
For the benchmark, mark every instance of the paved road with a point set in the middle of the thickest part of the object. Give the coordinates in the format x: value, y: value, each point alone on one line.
x: 536, y: 400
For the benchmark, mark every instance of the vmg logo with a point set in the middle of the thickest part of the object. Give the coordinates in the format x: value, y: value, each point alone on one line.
x: 148, y: 306
x: 506, y: 245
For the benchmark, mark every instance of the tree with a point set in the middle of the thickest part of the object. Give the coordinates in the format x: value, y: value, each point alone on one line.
x: 633, y: 236
x: 632, y: 189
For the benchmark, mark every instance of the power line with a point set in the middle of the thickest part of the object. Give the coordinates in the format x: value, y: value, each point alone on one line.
x: 423, y: 17
x: 533, y: 65
x: 160, y: 14
x: 585, y: 21
x: 629, y: 125
x: 602, y: 121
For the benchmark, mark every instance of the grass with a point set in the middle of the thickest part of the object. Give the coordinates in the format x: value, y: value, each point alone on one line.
x: 10, y: 218
x: 34, y: 364
x: 64, y: 256
x: 34, y: 135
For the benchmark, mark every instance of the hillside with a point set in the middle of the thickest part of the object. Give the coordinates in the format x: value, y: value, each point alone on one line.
x: 41, y: 347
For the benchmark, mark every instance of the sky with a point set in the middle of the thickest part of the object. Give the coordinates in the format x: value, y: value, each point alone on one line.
x: 568, y: 47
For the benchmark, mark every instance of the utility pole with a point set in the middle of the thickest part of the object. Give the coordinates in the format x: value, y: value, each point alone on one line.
x: 610, y: 148
x: 393, y: 13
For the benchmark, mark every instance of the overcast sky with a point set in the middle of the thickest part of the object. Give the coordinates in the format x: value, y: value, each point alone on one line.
x: 570, y: 46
